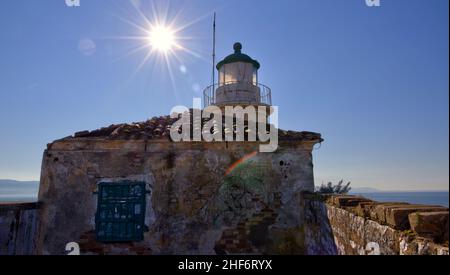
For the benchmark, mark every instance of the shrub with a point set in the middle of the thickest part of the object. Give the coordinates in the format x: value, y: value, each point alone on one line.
x: 339, y: 188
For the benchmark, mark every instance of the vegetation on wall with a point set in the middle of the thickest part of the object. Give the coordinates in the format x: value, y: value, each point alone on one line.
x: 338, y: 188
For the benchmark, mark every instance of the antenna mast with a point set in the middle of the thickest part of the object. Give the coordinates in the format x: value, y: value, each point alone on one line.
x: 214, y: 52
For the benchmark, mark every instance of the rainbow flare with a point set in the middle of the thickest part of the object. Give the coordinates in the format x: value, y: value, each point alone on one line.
x: 240, y: 161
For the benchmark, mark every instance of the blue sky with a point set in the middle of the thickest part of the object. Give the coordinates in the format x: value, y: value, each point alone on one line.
x: 374, y: 81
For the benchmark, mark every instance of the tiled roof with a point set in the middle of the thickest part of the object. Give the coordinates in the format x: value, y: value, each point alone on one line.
x: 159, y: 128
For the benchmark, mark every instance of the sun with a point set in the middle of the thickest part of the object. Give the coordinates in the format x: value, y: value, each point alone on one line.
x: 162, y: 38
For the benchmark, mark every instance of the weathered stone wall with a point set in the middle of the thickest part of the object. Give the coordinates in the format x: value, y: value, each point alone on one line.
x: 204, y: 198
x: 319, y: 239
x: 361, y: 226
x: 17, y: 228
x: 324, y: 226
x: 212, y: 198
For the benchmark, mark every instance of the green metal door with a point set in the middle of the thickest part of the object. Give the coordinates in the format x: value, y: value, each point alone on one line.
x: 120, y: 212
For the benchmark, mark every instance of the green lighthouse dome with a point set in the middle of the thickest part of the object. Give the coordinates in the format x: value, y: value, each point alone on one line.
x: 237, y: 56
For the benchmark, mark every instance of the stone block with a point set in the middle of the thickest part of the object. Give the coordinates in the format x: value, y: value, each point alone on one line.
x: 349, y: 201
x: 433, y: 225
x: 377, y: 212
x: 363, y: 208
x: 397, y: 217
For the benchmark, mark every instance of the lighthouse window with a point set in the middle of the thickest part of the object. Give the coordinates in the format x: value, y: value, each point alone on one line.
x: 230, y: 74
x: 120, y: 212
x: 222, y: 76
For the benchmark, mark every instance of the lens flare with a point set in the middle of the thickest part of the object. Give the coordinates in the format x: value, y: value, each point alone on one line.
x: 240, y: 161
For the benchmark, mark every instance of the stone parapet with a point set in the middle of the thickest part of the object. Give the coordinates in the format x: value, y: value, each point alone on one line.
x: 17, y: 228
x: 363, y: 226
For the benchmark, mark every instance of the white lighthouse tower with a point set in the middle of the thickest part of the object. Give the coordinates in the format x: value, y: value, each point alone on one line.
x: 237, y: 83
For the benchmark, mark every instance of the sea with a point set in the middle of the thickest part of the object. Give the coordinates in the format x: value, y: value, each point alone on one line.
x: 29, y: 193
x: 415, y: 197
x: 12, y: 191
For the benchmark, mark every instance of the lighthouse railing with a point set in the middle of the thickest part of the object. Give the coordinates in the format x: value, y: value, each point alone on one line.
x: 209, y: 93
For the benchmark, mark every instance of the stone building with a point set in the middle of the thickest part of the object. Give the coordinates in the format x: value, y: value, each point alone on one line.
x: 130, y: 189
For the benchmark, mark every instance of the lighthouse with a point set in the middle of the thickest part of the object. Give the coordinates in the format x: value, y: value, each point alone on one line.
x: 238, y: 83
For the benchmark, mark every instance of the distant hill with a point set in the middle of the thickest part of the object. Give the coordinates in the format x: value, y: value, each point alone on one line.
x: 17, y: 181
x: 18, y: 184
x: 364, y: 190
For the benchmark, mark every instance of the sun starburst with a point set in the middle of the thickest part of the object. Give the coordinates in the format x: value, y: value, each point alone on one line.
x: 162, y: 38
x: 159, y: 38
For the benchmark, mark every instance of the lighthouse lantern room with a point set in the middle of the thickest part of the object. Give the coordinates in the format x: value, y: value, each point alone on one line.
x: 237, y: 83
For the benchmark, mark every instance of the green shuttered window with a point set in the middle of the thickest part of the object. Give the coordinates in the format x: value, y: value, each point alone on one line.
x: 120, y: 212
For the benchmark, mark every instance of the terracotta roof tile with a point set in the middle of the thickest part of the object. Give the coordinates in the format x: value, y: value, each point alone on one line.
x: 159, y: 128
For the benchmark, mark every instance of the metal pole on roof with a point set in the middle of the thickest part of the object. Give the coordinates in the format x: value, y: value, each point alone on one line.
x: 214, y: 51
